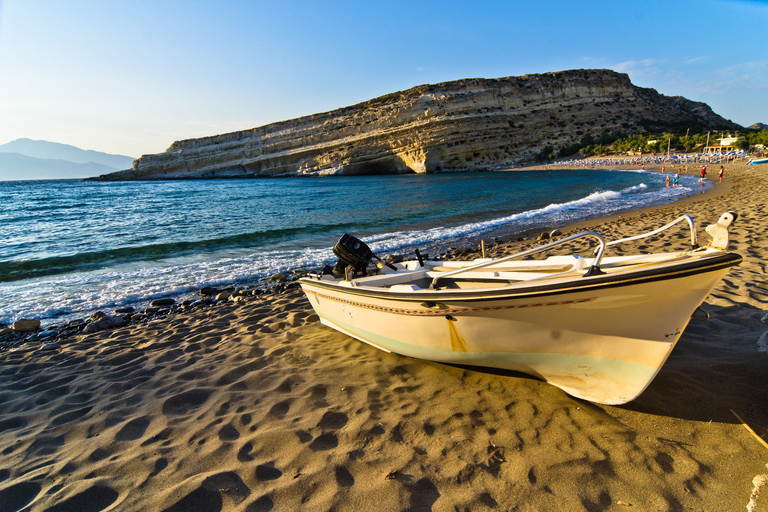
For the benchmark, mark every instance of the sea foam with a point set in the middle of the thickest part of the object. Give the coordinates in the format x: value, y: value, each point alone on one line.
x: 136, y: 281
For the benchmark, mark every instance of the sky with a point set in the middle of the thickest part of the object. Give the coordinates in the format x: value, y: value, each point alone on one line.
x: 130, y: 77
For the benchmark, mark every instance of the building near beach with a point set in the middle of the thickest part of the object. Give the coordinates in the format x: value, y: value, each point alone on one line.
x: 725, y: 145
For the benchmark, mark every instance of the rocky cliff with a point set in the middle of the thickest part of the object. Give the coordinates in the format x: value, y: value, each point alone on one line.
x: 471, y: 124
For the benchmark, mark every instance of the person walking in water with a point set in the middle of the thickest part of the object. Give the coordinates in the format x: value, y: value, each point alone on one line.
x: 703, y: 171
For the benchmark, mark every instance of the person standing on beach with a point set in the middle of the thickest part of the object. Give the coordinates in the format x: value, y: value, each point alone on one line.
x: 703, y: 171
x: 720, y: 174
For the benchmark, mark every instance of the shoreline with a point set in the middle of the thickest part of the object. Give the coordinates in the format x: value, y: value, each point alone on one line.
x: 439, y: 249
x: 718, y: 189
x: 254, y: 405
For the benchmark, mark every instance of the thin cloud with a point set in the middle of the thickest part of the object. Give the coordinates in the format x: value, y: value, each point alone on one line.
x: 740, y: 77
x: 698, y: 60
x: 645, y: 66
x: 747, y: 67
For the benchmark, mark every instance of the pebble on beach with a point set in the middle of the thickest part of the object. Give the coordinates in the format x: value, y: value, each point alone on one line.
x: 26, y: 325
x: 158, y: 303
x: 207, y: 291
x: 99, y: 321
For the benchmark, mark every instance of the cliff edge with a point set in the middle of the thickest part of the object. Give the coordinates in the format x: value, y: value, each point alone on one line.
x: 471, y: 124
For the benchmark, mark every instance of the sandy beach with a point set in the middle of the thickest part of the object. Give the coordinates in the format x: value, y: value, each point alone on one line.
x: 256, y: 406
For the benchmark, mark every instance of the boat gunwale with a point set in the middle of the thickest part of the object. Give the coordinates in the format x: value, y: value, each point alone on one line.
x: 590, y: 283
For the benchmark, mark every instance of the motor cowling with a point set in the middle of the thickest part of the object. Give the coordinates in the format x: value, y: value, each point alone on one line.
x: 352, y: 252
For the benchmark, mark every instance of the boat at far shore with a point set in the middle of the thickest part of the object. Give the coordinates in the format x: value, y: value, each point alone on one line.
x: 598, y: 327
x: 759, y: 161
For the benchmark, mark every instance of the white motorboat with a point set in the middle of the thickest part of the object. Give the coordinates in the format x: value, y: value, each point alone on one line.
x: 598, y: 327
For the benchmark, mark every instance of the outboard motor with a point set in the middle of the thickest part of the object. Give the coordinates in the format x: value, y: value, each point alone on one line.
x: 352, y: 252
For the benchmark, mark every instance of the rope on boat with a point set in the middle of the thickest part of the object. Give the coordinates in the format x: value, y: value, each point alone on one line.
x: 703, y: 311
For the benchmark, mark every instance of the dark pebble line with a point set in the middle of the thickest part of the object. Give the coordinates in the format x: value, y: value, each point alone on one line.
x: 51, y: 337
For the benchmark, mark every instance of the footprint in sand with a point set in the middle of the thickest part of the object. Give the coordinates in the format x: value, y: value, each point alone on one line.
x: 160, y: 465
x: 279, y: 410
x: 209, y: 496
x: 185, y: 402
x: 263, y: 504
x: 343, y: 477
x: 323, y: 442
x: 17, y: 496
x: 228, y: 433
x: 333, y: 420
x: 244, y: 454
x: 99, y: 454
x: 239, y: 372
x: 93, y: 499
x: 200, y: 500
x: 133, y: 430
x: 423, y: 494
x: 46, y: 445
x: 265, y: 472
x: 12, y: 423
x: 318, y: 395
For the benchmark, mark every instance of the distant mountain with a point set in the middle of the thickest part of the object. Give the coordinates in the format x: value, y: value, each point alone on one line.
x: 758, y: 126
x: 14, y: 166
x: 57, y: 151
x: 26, y: 159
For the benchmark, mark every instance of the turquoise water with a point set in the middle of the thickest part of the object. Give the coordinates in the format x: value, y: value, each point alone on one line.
x: 71, y: 247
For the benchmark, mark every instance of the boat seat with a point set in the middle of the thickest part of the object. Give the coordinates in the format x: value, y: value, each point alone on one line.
x: 519, y: 268
x: 644, y: 260
x: 404, y: 288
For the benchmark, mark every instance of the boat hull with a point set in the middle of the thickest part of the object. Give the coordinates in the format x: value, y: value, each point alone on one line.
x: 603, y: 344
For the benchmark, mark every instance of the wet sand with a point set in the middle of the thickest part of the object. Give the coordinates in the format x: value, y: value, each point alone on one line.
x: 256, y: 406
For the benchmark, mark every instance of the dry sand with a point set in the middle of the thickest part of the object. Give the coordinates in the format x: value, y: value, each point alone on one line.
x: 258, y: 407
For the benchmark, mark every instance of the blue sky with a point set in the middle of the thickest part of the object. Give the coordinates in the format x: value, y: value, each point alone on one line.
x: 130, y: 77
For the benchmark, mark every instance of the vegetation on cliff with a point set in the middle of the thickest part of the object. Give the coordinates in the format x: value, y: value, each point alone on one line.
x: 620, y: 143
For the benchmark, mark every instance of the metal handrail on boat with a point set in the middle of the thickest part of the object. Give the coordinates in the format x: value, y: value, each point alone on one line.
x: 686, y: 217
x: 595, y: 269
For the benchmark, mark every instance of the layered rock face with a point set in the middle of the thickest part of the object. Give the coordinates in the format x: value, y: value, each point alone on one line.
x: 472, y: 124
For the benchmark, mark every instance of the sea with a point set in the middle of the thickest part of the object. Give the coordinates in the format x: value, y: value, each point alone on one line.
x: 69, y: 247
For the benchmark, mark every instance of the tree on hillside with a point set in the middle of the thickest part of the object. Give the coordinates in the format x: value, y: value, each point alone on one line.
x: 680, y: 140
x: 547, y: 153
